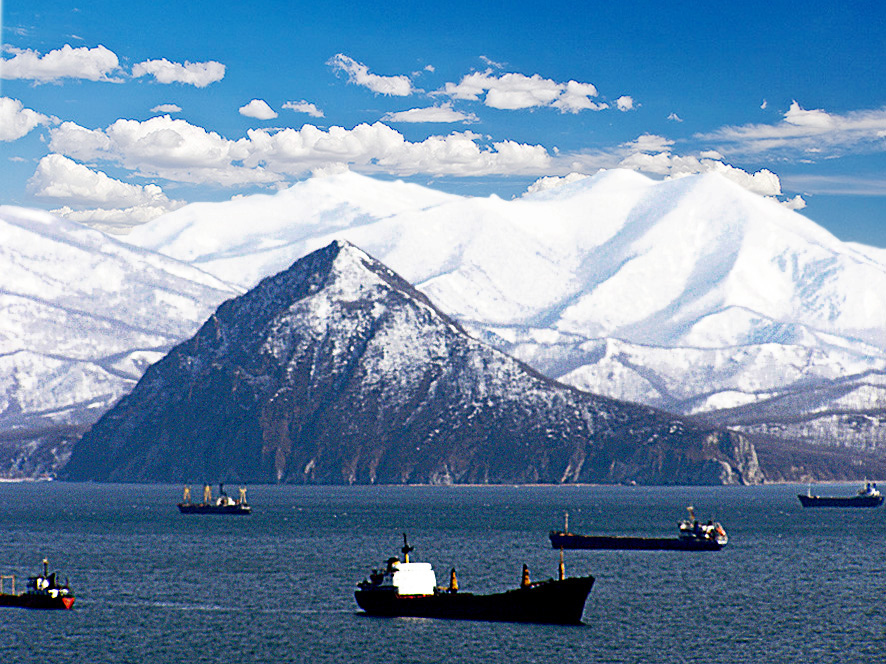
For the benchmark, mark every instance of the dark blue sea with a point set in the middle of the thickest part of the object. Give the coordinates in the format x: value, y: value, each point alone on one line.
x: 153, y: 585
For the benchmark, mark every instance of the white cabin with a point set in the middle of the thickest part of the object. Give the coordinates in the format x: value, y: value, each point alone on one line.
x: 411, y: 578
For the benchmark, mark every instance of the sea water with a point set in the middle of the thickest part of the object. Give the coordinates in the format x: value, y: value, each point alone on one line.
x: 156, y: 586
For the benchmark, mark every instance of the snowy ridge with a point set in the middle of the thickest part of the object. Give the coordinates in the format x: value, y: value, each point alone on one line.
x: 83, y: 316
x: 691, y: 295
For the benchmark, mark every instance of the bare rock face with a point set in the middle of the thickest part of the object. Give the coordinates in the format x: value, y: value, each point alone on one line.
x: 337, y: 371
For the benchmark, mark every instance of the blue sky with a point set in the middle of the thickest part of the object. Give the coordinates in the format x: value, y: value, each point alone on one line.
x: 112, y: 113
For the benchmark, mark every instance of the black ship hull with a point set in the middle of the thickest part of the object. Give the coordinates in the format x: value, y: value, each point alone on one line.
x: 854, y: 501
x: 195, y: 508
x: 546, y: 602
x: 561, y: 540
x: 36, y: 601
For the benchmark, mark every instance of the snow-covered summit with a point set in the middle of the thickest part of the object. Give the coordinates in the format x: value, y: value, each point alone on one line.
x: 561, y: 277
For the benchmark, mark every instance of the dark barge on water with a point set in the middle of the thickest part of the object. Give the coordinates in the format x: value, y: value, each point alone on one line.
x: 224, y: 504
x: 867, y: 496
x: 43, y: 592
x: 404, y: 588
x: 691, y: 536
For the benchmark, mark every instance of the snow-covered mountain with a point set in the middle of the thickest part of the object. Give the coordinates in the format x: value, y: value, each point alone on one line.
x: 83, y: 315
x: 337, y: 371
x: 692, y: 295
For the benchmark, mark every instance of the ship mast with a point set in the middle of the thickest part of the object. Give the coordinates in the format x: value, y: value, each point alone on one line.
x: 406, y: 549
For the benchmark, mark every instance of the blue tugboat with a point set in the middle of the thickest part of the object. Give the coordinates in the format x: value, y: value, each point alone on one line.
x: 867, y: 496
x: 224, y: 504
x: 43, y: 592
x: 404, y: 588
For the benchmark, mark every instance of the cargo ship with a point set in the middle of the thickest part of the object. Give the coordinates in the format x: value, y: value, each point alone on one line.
x: 691, y: 536
x: 867, y: 496
x: 403, y: 588
x: 224, y: 504
x: 42, y: 592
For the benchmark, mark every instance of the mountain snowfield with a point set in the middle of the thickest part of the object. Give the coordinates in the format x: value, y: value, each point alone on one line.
x: 83, y: 316
x: 693, y: 295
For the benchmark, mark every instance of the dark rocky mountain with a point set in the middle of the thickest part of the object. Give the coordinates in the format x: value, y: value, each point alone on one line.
x: 337, y: 371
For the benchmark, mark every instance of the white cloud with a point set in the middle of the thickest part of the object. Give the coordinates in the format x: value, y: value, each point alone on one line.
x: 840, y: 185
x: 441, y: 113
x: 763, y: 182
x: 162, y: 147
x: 649, y: 143
x: 304, y: 107
x: 166, y: 108
x: 93, y: 196
x: 675, y: 118
x: 516, y: 91
x: 651, y: 154
x: 764, y: 105
x: 258, y: 108
x: 812, y: 133
x: 795, y: 203
x: 358, y: 73
x: 624, y: 103
x: 17, y: 121
x: 92, y: 64
x: 554, y: 182
x: 492, y: 63
x: 198, y: 74
x: 378, y: 147
x: 175, y: 150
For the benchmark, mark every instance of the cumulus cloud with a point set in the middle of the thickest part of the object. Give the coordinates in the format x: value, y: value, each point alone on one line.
x: 673, y: 117
x: 175, y: 150
x: 379, y: 147
x: 304, y: 107
x: 624, y: 103
x: 652, y: 154
x: 198, y: 74
x: 358, y: 73
x: 91, y: 64
x: 517, y: 91
x: 807, y: 132
x: 17, y: 121
x: 94, y: 197
x: 555, y: 182
x: 164, y: 147
x: 795, y: 203
x: 440, y: 113
x: 258, y: 108
x: 166, y: 108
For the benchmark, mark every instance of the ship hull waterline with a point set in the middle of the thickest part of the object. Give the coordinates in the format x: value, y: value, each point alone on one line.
x: 214, y: 509
x: 619, y: 543
x: 546, y: 602
x: 39, y: 602
x: 854, y: 501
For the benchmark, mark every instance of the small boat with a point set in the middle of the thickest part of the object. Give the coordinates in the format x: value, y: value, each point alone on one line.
x: 43, y: 592
x: 224, y: 504
x: 404, y: 588
x: 867, y: 496
x: 691, y: 536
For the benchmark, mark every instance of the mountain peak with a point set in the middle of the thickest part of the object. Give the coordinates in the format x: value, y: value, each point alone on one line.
x: 337, y: 371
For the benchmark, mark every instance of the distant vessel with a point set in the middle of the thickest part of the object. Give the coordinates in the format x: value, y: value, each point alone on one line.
x: 224, y: 504
x: 867, y: 496
x: 43, y: 592
x: 405, y: 588
x: 691, y: 536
